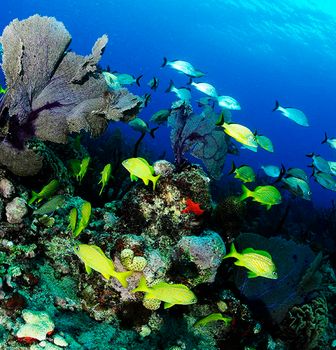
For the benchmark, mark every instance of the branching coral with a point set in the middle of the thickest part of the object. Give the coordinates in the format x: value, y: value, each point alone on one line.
x: 52, y: 92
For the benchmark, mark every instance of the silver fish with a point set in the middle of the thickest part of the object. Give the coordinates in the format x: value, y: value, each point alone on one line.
x: 228, y: 103
x: 183, y: 67
x: 183, y: 93
x: 292, y: 113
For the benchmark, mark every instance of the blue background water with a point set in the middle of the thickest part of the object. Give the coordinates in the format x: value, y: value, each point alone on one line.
x: 252, y: 50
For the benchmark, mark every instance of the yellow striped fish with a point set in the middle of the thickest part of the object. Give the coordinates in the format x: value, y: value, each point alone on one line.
x: 258, y: 262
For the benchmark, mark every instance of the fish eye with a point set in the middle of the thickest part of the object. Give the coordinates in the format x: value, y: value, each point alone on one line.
x: 275, y: 274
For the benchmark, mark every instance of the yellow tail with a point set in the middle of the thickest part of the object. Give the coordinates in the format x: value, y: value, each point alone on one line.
x: 154, y: 180
x: 122, y: 277
x: 246, y: 193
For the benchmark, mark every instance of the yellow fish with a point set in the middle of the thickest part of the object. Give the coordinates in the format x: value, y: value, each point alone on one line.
x: 77, y: 228
x: 140, y: 168
x: 170, y: 294
x: 46, y: 192
x: 244, y: 173
x: 95, y: 259
x: 258, y: 262
x: 83, y: 168
x: 238, y: 132
x: 265, y: 195
x: 105, y: 176
x: 212, y: 318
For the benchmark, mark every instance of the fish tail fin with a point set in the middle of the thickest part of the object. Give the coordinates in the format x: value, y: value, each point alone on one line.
x: 277, y: 105
x: 190, y: 81
x: 154, y: 180
x: 142, y: 286
x: 165, y: 61
x: 310, y: 155
x: 233, y: 168
x: 246, y: 193
x: 101, y: 190
x: 138, y: 79
x: 220, y: 120
x: 325, y: 138
x: 33, y: 198
x: 170, y: 87
x: 281, y: 175
x: 233, y: 252
x: 152, y: 131
x: 122, y: 277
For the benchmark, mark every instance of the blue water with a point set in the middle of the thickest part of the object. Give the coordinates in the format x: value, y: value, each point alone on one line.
x: 252, y: 50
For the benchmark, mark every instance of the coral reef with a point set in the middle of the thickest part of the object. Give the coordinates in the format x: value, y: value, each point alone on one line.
x: 305, y: 326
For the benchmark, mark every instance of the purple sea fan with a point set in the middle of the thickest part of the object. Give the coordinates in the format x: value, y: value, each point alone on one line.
x: 199, y: 136
x: 52, y: 92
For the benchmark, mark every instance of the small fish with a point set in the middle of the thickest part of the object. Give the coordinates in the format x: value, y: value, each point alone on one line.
x: 153, y: 83
x: 140, y: 168
x: 319, y: 163
x: 325, y: 180
x: 95, y: 259
x: 332, y: 166
x: 78, y: 227
x: 160, y: 116
x: 212, y: 318
x: 258, y: 262
x: 127, y: 79
x: 183, y: 67
x: 271, y: 170
x: 292, y: 113
x: 182, y: 93
x: 83, y: 168
x: 228, y: 103
x: 331, y: 141
x: 46, y: 192
x: 298, y: 173
x: 265, y: 195
x: 146, y: 99
x: 2, y: 90
x: 112, y: 81
x: 52, y: 205
x: 73, y: 219
x: 206, y: 88
x: 140, y: 125
x: 239, y: 132
x: 264, y: 142
x: 192, y: 207
x: 298, y: 187
x: 105, y: 176
x: 170, y: 294
x: 244, y: 173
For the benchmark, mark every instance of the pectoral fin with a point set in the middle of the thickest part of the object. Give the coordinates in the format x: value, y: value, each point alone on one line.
x: 88, y: 269
x: 168, y: 305
x: 133, y: 177
x: 251, y: 274
x: 146, y: 181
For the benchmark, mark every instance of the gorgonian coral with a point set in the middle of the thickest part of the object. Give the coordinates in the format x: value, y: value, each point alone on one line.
x: 199, y: 136
x: 52, y: 92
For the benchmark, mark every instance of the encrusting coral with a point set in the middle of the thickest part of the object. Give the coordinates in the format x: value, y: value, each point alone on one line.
x: 66, y: 94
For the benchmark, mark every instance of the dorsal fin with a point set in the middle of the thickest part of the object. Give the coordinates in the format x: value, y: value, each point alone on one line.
x: 260, y: 252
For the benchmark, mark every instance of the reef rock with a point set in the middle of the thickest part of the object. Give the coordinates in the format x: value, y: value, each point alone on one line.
x: 206, y: 252
x: 16, y: 210
x: 52, y: 92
